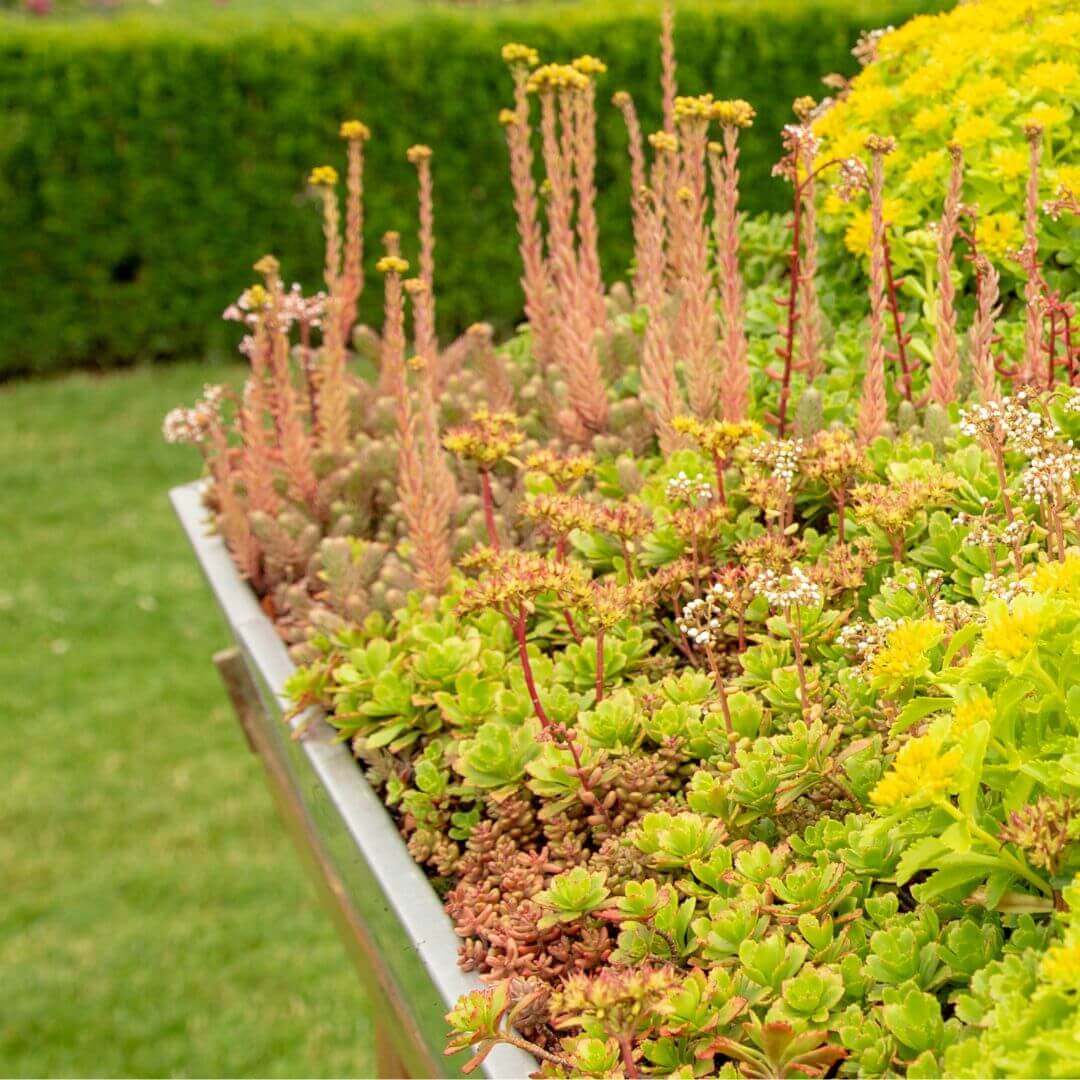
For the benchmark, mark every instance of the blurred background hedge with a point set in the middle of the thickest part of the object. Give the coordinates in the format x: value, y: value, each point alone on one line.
x: 147, y: 160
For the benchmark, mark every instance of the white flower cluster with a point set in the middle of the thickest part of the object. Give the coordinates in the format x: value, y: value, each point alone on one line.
x: 1072, y: 404
x: 865, y: 639
x: 692, y: 490
x: 783, y: 456
x: 702, y: 618
x: 699, y: 624
x: 853, y: 179
x: 1010, y: 420
x: 1005, y: 587
x: 1050, y: 473
x: 984, y: 531
x: 190, y: 425
x: 794, y: 589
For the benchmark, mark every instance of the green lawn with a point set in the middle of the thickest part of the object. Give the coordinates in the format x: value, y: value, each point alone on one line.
x: 155, y: 920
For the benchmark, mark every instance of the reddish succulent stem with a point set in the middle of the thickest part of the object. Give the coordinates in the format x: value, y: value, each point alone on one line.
x: 724, y: 707
x: 489, y: 509
x: 629, y: 1065
x: 891, y: 286
x: 684, y: 645
x: 792, y: 305
x: 518, y: 624
x: 718, y: 465
x: 1051, y: 348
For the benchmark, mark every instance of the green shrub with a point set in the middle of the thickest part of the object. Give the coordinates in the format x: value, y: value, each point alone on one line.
x: 146, y: 163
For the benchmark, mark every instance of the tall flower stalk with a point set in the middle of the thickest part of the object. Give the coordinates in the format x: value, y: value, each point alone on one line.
x: 535, y: 283
x: 981, y: 335
x: 1033, y: 286
x: 809, y: 357
x: 356, y: 133
x: 427, y: 344
x: 733, y: 116
x: 945, y: 362
x: 333, y: 406
x: 557, y: 86
x: 697, y: 314
x: 872, y: 403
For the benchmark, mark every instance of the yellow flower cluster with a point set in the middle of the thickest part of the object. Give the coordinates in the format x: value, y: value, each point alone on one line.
x: 922, y: 772
x: 737, y: 113
x: 392, y: 264
x: 355, y: 130
x: 975, y: 75
x: 515, y: 53
x: 969, y: 711
x: 906, y: 654
x: 1012, y: 630
x: 664, y: 142
x: 1061, y: 964
x: 323, y: 176
x: 589, y: 65
x: 1057, y: 578
x: 552, y: 77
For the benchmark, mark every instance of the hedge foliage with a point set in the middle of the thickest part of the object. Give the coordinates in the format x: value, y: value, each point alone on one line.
x: 146, y: 164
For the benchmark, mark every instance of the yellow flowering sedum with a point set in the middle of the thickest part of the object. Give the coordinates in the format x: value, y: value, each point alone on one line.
x: 905, y: 656
x: 323, y: 176
x: 974, y: 708
x: 974, y: 75
x: 1057, y: 578
x: 1012, y: 630
x: 922, y: 772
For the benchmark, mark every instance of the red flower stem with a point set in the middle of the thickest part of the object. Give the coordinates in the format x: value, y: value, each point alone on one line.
x: 526, y: 667
x: 560, y: 556
x: 794, y: 273
x: 725, y: 708
x: 1051, y: 348
x: 489, y: 508
x: 897, y: 318
x: 718, y: 465
x: 545, y: 721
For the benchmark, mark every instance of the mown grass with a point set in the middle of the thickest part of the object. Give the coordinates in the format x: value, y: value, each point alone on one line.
x: 155, y: 920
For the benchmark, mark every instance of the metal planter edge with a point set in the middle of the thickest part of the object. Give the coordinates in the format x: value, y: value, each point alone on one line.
x: 392, y: 921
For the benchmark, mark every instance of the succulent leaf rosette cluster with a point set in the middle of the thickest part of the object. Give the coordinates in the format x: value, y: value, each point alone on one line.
x: 713, y: 639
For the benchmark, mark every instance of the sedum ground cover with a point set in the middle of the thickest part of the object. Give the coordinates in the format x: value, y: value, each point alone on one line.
x: 713, y: 639
x: 155, y: 921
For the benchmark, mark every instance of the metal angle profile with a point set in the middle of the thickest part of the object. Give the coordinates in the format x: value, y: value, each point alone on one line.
x: 390, y: 918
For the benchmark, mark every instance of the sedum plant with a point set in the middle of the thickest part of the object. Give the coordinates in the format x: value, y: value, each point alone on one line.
x: 717, y: 664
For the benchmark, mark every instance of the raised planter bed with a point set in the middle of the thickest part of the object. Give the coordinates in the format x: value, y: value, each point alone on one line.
x: 392, y: 922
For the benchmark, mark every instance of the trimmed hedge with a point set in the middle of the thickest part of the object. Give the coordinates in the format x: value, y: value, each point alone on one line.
x: 146, y: 164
